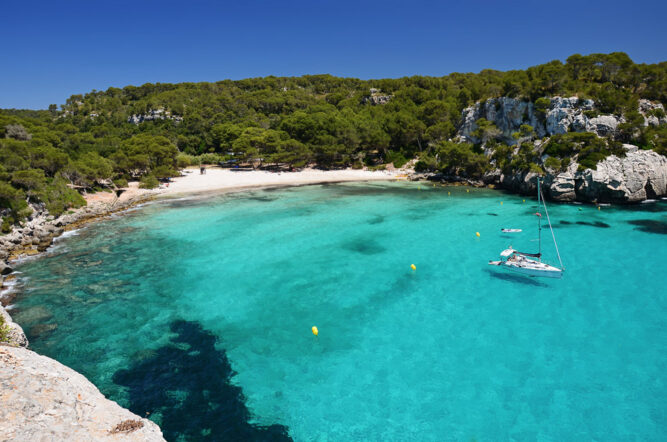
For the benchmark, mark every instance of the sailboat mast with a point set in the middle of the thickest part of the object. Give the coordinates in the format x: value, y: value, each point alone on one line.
x: 539, y: 220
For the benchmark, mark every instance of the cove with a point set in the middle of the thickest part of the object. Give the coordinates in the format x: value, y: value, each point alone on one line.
x: 199, y: 312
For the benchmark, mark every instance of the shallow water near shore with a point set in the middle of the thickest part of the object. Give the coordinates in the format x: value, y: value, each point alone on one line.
x: 199, y: 312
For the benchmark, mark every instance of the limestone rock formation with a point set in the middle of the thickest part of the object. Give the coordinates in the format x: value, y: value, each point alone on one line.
x: 563, y: 115
x: 154, y: 114
x: 42, y: 400
x: 640, y: 175
x: 653, y: 113
x: 376, y: 97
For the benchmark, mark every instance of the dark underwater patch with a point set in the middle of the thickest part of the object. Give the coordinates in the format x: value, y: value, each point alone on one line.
x: 492, y: 214
x: 650, y: 225
x: 594, y: 224
x: 188, y: 384
x: 265, y: 199
x: 364, y: 246
x: 376, y: 220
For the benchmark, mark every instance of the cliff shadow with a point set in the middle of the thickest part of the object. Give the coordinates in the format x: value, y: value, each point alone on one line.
x: 650, y: 225
x: 186, y: 385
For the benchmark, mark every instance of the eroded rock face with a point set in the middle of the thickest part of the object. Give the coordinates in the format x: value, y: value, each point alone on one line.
x: 654, y: 113
x: 508, y: 114
x: 153, y: 115
x: 42, y: 400
x: 640, y: 175
x: 563, y: 115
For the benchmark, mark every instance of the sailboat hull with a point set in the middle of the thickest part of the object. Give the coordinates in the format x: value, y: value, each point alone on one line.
x: 530, y: 268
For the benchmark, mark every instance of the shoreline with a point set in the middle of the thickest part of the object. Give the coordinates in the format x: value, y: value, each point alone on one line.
x: 218, y: 180
x: 38, y: 234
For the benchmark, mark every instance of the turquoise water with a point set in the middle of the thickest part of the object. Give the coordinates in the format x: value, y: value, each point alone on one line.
x: 199, y: 312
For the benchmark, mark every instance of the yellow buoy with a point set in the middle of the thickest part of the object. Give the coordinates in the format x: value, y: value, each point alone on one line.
x: 315, y: 331
x: 501, y: 203
x: 524, y: 201
x: 467, y: 190
x: 449, y: 193
x: 413, y: 267
x: 598, y: 207
x: 477, y: 233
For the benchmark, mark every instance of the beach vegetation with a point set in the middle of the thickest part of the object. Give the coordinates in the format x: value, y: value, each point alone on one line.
x: 4, y: 330
x: 149, y: 182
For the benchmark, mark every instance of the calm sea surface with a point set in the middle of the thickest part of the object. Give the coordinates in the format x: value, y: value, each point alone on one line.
x: 198, y: 314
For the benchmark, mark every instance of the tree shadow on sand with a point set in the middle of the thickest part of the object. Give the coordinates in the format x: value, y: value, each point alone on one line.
x: 187, y: 384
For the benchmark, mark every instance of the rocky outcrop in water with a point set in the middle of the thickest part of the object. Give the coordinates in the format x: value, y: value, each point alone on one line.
x: 640, y: 175
x: 561, y: 116
x: 42, y: 400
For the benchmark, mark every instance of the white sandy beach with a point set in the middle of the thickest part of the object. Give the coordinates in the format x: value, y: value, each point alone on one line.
x: 217, y: 179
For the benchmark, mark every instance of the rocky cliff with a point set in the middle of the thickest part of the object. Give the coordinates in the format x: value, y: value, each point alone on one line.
x: 562, y: 115
x: 640, y: 175
x: 41, y: 399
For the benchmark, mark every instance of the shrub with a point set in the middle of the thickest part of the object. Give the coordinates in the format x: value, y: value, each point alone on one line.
x: 592, y: 113
x: 4, y: 330
x: 657, y: 112
x: 552, y: 163
x: 58, y: 197
x: 120, y: 182
x: 148, y: 182
x: 397, y: 158
x: 542, y: 105
x: 17, y: 132
x: 184, y: 160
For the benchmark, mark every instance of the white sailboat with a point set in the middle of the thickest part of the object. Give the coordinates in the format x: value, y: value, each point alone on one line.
x: 531, y: 263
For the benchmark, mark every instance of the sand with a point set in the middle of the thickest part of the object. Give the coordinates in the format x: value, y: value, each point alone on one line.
x: 218, y: 179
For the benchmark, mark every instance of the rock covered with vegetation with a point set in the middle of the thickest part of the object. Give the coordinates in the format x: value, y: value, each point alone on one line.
x: 636, y: 176
x: 45, y: 400
x: 10, y: 332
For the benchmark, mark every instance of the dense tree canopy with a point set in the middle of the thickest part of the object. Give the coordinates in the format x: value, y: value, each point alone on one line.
x: 334, y: 122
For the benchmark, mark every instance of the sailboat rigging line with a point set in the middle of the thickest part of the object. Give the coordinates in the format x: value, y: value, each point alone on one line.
x: 539, y: 220
x: 552, y: 235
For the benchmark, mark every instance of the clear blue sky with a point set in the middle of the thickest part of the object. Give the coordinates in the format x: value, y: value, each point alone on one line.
x: 53, y: 49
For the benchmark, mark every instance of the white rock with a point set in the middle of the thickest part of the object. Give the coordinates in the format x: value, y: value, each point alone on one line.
x: 42, y: 400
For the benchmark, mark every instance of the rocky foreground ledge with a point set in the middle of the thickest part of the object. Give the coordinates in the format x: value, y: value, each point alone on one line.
x: 42, y: 400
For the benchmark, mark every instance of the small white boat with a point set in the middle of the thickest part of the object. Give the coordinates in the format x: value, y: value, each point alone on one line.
x: 531, y: 264
x: 511, y: 230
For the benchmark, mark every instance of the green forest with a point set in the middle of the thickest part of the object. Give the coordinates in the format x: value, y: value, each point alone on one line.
x: 48, y: 156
